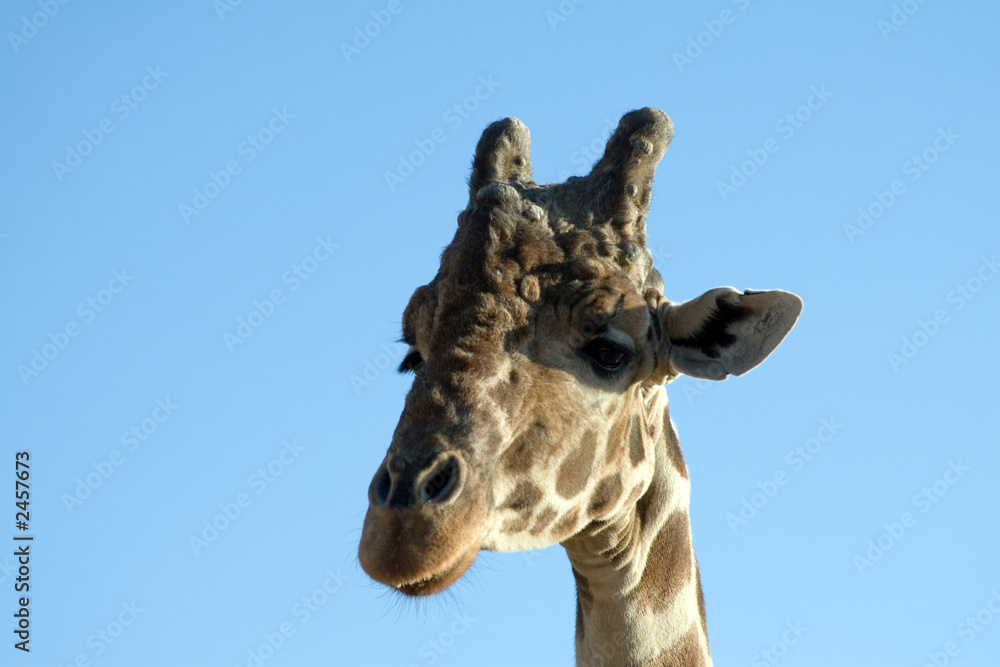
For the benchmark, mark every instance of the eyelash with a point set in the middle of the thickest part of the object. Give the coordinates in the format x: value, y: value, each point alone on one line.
x: 411, y: 362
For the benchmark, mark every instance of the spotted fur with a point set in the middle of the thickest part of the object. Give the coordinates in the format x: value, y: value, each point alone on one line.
x: 538, y: 412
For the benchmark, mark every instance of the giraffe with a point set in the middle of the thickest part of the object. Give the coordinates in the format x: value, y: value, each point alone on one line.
x: 538, y: 411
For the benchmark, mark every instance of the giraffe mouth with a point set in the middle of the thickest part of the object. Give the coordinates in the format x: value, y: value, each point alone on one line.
x: 423, y: 549
x: 437, y: 581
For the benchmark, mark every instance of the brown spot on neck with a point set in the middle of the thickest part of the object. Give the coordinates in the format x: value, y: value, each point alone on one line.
x: 584, y: 603
x: 582, y: 587
x: 517, y: 524
x: 670, y: 564
x: 523, y: 499
x: 566, y: 525
x: 545, y: 517
x: 701, y: 599
x: 636, y: 442
x: 617, y: 437
x: 673, y: 445
x: 607, y: 492
x: 522, y: 454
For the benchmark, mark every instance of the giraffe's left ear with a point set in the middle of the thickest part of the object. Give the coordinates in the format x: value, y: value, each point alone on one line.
x: 725, y: 332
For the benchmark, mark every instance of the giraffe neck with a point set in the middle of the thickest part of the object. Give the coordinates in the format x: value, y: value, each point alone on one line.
x: 639, y: 599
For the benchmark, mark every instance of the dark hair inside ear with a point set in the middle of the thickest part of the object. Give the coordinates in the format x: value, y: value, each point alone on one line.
x: 713, y: 336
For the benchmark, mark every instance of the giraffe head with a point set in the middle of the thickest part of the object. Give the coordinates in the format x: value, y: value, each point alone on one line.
x: 531, y: 349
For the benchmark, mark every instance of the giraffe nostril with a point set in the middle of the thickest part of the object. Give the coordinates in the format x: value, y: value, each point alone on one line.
x: 381, y: 486
x: 441, y: 483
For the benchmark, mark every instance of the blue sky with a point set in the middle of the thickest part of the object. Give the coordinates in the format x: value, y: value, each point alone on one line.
x: 216, y: 214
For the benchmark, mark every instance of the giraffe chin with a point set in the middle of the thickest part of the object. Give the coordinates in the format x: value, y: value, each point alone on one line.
x: 438, y: 581
x: 425, y: 581
x: 420, y: 553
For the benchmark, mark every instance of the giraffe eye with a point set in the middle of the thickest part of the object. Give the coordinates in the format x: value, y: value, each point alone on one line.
x: 605, y: 355
x: 411, y: 362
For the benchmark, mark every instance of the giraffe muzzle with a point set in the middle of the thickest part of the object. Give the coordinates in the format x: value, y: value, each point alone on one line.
x: 399, y: 484
x: 425, y: 522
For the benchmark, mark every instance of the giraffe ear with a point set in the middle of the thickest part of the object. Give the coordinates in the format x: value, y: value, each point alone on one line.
x: 503, y: 154
x: 724, y: 332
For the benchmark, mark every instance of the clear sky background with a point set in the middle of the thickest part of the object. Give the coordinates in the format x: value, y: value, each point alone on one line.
x: 249, y: 155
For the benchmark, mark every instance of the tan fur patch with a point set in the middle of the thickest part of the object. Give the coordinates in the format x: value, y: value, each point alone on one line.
x: 685, y: 653
x: 530, y: 290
